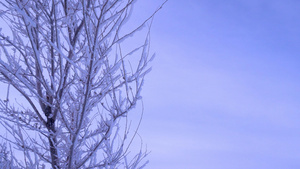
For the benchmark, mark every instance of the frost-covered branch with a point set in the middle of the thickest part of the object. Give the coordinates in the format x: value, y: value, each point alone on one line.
x: 66, y: 60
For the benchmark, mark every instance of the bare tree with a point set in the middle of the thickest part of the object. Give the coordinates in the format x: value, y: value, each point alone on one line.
x: 65, y: 58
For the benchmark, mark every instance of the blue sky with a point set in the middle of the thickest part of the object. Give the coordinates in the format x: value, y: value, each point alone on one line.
x: 224, y: 91
x: 225, y: 87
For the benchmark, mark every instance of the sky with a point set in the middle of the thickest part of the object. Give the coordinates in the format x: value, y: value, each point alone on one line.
x: 224, y: 91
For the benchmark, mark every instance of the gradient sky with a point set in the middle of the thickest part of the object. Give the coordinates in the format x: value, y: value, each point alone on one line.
x: 224, y: 92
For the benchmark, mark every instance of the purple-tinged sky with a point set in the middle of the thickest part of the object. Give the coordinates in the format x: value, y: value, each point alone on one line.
x: 224, y: 92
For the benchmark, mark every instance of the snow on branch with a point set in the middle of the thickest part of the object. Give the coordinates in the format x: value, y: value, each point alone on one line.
x: 77, y: 86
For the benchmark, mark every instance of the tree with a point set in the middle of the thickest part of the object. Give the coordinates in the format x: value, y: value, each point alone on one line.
x: 64, y: 57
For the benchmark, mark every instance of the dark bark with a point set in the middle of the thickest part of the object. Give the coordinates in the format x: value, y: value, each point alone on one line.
x: 52, y: 138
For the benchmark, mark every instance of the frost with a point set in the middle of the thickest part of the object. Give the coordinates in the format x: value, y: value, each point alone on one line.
x: 77, y: 88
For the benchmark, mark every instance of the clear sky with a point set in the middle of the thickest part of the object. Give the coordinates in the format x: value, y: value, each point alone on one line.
x: 224, y: 92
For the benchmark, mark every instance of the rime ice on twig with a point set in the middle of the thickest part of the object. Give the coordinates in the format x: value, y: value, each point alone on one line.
x: 65, y: 58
